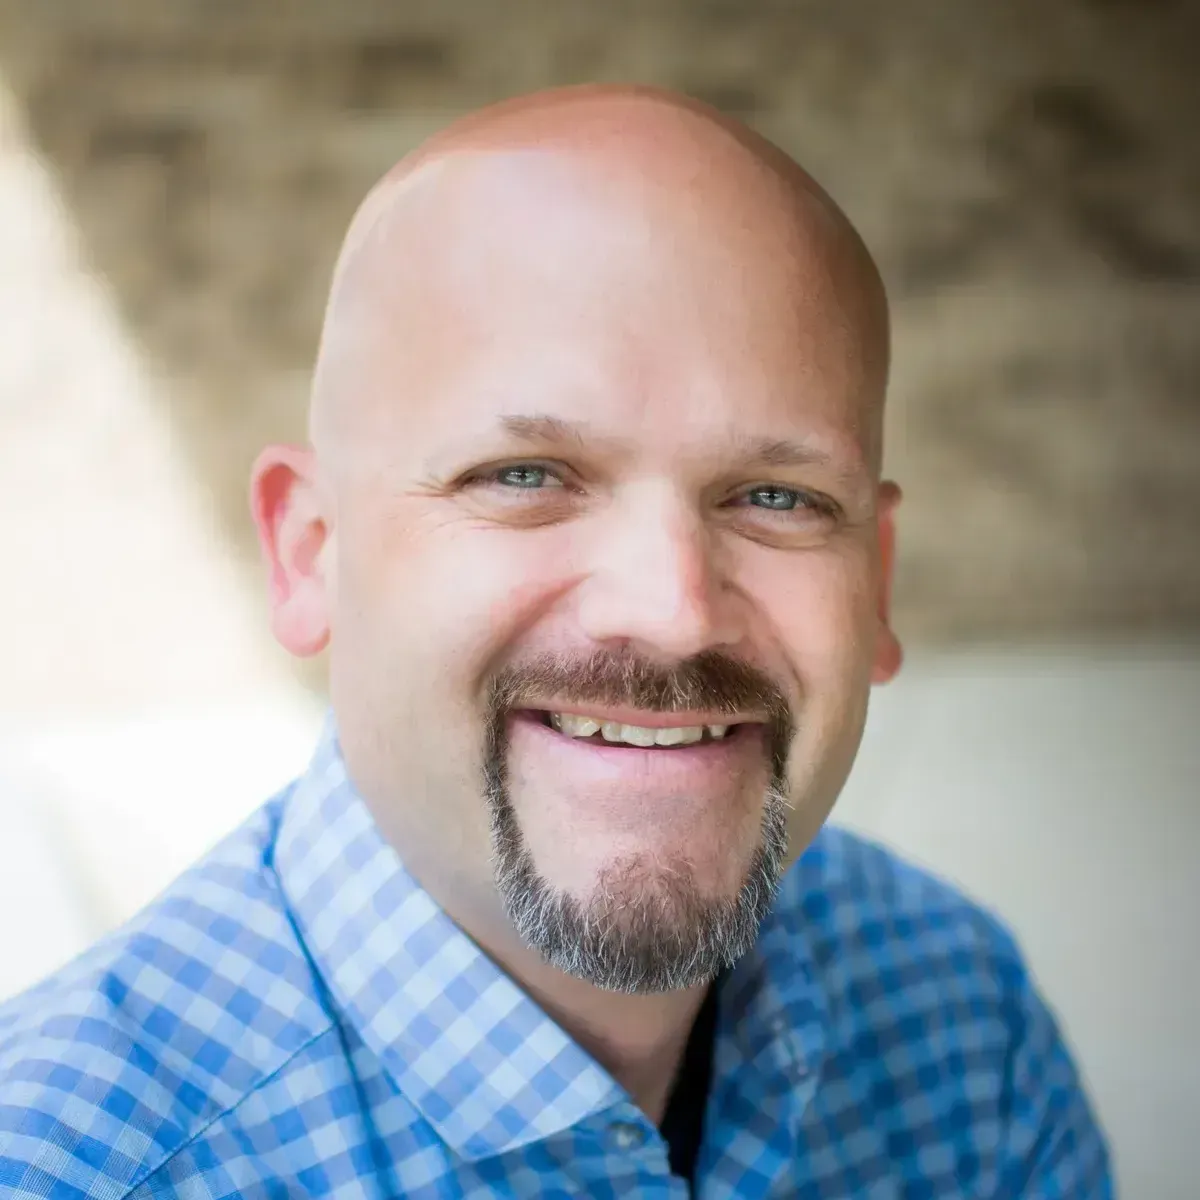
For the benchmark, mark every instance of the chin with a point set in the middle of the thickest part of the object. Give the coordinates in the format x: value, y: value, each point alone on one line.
x: 642, y: 923
x: 632, y: 898
x: 643, y: 877
x: 626, y: 871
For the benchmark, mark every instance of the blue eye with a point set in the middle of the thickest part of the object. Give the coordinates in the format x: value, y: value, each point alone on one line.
x: 776, y: 498
x: 525, y: 476
x: 792, y: 502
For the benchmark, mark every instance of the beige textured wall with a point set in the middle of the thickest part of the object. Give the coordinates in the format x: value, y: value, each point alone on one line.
x: 1028, y: 174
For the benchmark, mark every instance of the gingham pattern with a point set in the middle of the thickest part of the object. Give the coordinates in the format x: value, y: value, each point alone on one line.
x: 295, y: 1017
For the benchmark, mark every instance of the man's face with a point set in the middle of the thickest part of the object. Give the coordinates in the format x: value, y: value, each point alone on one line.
x: 604, y: 573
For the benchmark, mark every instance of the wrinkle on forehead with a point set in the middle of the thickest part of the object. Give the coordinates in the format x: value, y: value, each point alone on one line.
x: 544, y: 154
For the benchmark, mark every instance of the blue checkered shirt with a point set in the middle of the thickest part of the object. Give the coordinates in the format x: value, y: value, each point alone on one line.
x: 296, y: 1017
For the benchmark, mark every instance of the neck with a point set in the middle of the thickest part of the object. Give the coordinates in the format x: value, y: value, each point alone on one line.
x: 638, y: 1039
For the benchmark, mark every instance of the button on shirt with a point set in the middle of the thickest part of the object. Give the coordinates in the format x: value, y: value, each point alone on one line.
x: 296, y: 1017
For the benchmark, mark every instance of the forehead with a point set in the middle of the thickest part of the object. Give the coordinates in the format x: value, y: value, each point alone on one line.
x: 521, y: 284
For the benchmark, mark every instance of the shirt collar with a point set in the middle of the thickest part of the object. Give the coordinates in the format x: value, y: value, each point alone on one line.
x: 779, y: 987
x: 481, y: 1062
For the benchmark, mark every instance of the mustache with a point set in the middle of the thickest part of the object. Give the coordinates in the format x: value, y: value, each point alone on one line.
x: 708, y: 682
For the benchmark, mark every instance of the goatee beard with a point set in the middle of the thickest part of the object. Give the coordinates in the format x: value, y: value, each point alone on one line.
x: 647, y: 927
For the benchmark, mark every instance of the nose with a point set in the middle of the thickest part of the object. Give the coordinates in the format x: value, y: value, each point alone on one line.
x: 654, y: 582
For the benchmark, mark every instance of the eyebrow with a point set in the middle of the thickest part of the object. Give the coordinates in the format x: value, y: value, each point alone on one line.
x: 540, y: 429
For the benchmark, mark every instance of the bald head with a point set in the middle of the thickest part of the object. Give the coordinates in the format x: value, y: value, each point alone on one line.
x: 585, y: 178
x: 597, y: 430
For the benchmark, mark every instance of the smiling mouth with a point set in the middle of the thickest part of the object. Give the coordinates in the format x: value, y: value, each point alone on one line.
x: 616, y: 733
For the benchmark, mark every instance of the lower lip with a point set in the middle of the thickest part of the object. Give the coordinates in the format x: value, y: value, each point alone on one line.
x: 703, y: 762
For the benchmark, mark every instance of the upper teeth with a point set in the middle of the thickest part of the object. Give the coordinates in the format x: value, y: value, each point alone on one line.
x: 633, y: 735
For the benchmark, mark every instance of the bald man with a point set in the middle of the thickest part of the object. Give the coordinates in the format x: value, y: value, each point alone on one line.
x: 591, y: 522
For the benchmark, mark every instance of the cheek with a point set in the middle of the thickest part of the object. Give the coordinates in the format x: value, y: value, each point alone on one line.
x: 454, y: 595
x: 818, y: 606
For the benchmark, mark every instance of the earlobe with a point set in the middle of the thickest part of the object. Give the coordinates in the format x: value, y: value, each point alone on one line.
x: 292, y: 533
x: 889, y: 654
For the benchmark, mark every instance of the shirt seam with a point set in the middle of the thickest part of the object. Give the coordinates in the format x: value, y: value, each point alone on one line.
x: 202, y: 1129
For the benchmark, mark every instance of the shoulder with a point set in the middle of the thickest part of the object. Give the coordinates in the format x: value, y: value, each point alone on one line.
x: 935, y: 1026
x: 112, y: 1065
x: 862, y: 908
x: 902, y: 960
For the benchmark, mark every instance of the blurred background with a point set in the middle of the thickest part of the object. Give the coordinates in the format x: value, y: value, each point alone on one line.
x: 175, y: 177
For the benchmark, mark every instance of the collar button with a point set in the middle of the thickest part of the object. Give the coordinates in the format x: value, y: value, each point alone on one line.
x: 625, y: 1135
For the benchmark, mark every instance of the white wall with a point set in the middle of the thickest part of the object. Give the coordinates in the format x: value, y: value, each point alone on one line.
x: 1059, y: 788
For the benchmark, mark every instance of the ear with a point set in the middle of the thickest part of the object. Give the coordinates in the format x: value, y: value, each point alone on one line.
x: 294, y: 533
x: 888, y: 652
